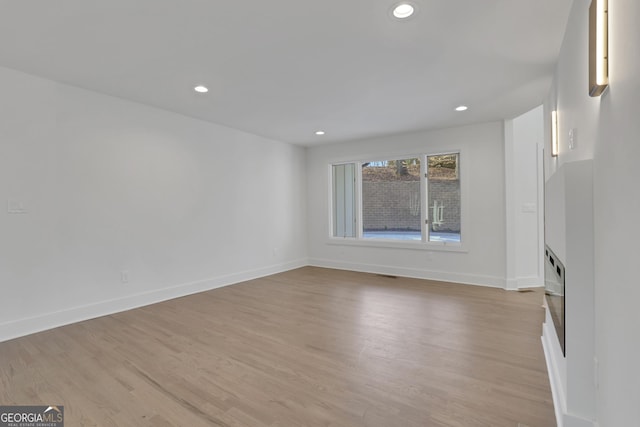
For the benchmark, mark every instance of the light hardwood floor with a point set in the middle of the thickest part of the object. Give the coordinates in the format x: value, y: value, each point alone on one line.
x: 309, y: 347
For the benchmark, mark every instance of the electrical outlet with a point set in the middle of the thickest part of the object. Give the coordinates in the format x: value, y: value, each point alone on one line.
x: 124, y: 276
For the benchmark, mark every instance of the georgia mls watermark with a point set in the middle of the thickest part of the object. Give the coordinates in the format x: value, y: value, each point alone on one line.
x: 31, y: 416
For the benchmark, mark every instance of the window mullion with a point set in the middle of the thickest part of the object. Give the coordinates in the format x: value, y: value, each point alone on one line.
x: 424, y: 199
x: 358, y: 186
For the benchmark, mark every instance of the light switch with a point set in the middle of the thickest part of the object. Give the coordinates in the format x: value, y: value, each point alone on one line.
x: 573, y: 138
x: 16, y: 207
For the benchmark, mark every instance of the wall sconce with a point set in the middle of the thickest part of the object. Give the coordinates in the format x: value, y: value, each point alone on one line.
x: 554, y: 134
x: 598, y: 47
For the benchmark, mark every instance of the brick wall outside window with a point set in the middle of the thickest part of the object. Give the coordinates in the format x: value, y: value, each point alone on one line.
x: 395, y: 205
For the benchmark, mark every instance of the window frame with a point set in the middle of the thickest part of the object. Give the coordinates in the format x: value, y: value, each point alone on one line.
x: 424, y: 243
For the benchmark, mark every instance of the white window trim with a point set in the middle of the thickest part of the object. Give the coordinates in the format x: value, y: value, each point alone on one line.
x: 399, y: 244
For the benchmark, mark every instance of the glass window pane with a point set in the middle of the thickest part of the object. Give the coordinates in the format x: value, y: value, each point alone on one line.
x: 443, y: 197
x: 344, y: 200
x: 391, y: 205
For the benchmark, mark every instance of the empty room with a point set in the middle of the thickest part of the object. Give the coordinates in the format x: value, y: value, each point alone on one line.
x: 283, y: 214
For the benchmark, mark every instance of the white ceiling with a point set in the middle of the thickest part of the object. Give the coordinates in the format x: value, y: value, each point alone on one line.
x: 286, y: 68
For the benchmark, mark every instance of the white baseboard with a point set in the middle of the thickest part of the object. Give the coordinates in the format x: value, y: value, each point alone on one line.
x: 572, y: 421
x: 467, y: 279
x: 27, y: 326
x: 530, y: 282
x: 511, y: 284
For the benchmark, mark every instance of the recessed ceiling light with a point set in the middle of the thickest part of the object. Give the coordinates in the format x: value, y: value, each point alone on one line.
x: 403, y: 10
x: 461, y: 108
x: 201, y: 89
x: 320, y: 132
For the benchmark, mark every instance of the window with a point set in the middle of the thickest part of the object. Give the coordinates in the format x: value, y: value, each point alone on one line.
x: 391, y: 200
x: 410, y: 199
x: 443, y: 198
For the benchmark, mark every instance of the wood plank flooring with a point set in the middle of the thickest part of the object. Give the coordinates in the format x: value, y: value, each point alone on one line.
x: 309, y: 347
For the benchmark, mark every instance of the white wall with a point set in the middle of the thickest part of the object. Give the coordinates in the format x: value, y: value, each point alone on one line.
x: 110, y: 185
x: 482, y: 176
x: 569, y: 206
x: 608, y: 131
x: 524, y: 140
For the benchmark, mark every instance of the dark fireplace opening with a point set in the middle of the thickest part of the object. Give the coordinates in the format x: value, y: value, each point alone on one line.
x: 554, y: 279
